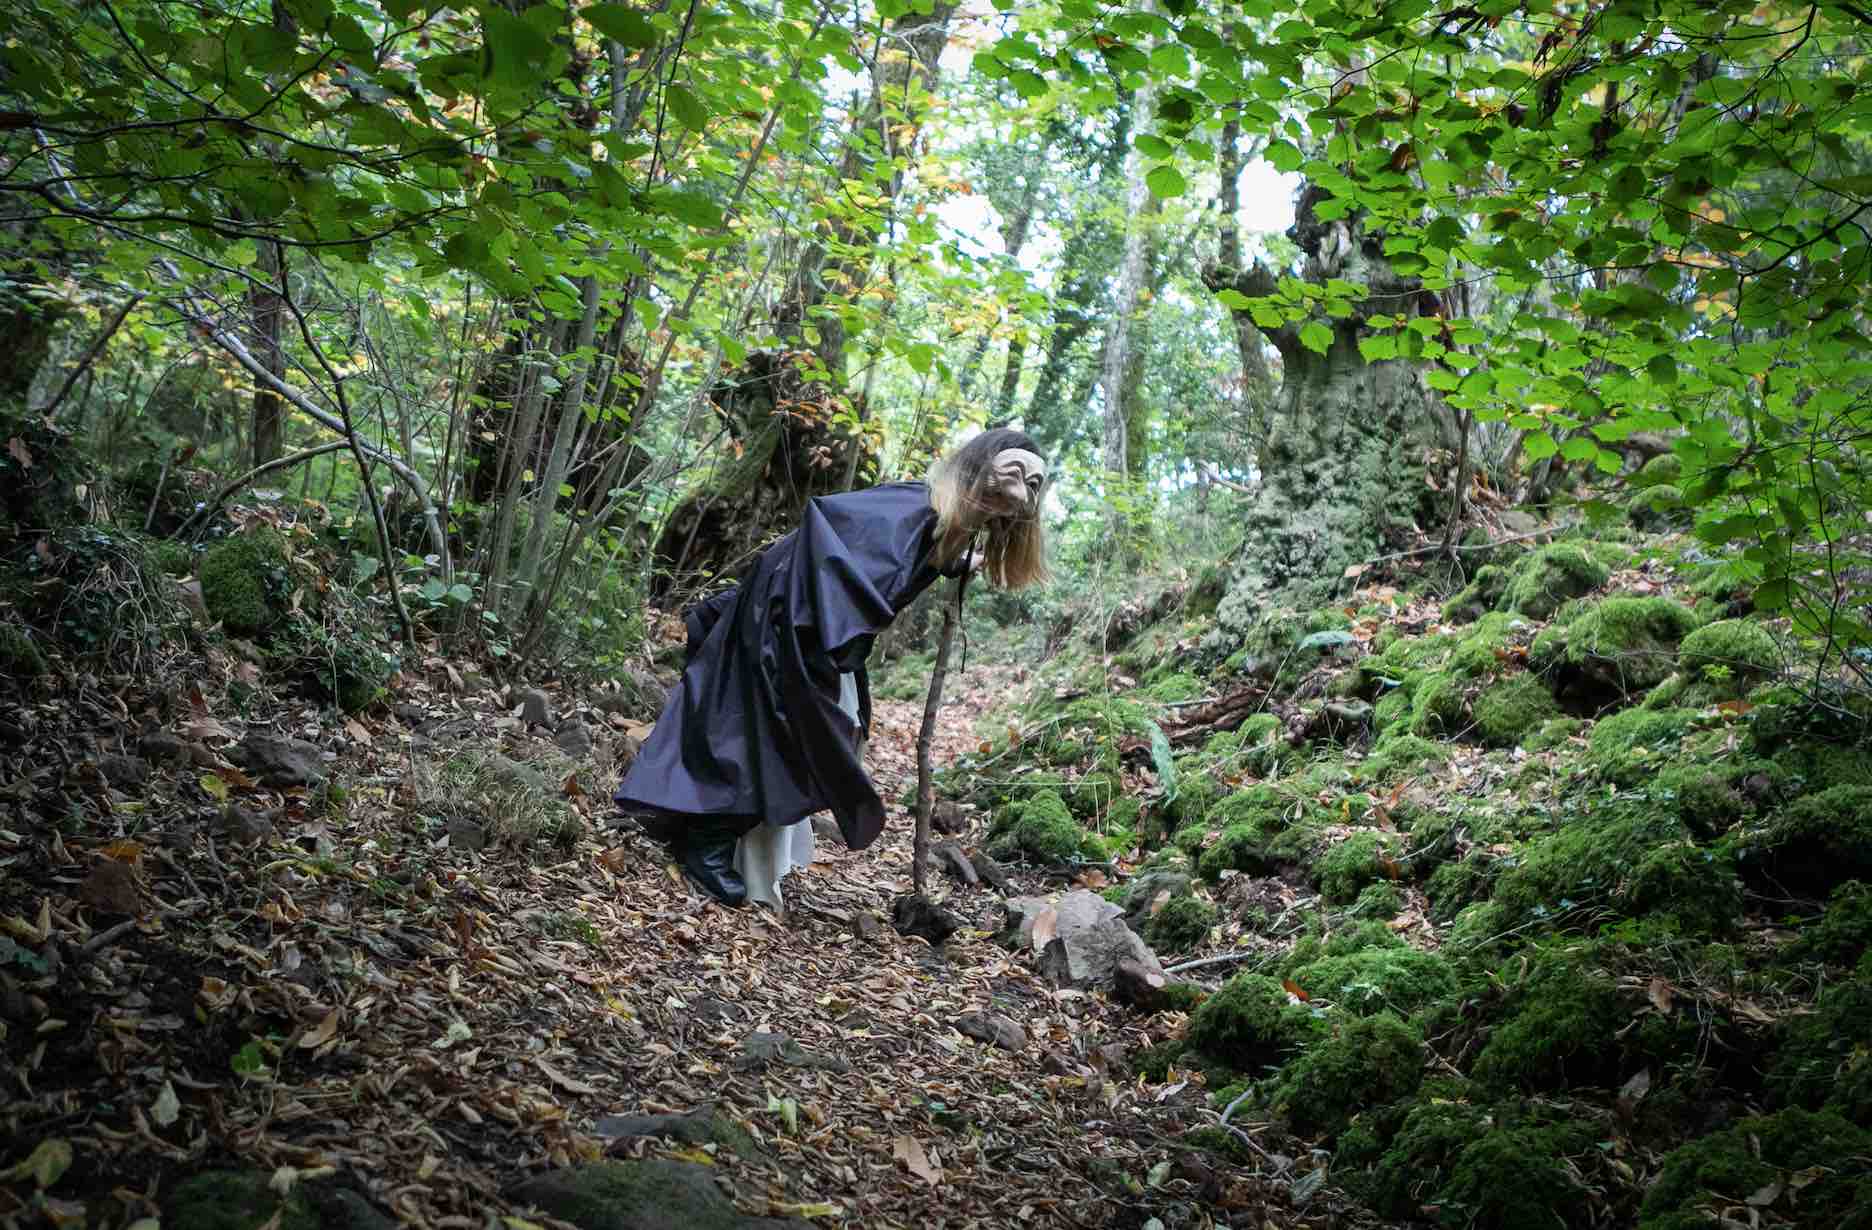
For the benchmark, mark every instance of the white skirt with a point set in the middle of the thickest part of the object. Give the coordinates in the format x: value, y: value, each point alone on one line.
x: 767, y: 852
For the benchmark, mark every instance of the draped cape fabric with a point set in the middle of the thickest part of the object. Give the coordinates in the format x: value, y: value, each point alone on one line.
x: 754, y: 732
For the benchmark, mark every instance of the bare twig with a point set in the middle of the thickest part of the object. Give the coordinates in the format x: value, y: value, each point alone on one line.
x: 90, y: 355
x: 926, y: 784
x: 1227, y: 958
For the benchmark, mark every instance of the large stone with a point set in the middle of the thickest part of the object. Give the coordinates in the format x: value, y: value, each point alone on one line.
x: 245, y: 1200
x: 536, y: 708
x: 574, y: 739
x: 124, y: 772
x: 1089, y: 940
x: 1022, y: 913
x: 278, y: 761
x: 645, y: 1194
x: 992, y: 1027
x: 705, y: 1125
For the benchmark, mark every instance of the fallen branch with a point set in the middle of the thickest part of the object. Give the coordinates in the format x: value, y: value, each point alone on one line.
x: 207, y: 510
x: 1227, y: 958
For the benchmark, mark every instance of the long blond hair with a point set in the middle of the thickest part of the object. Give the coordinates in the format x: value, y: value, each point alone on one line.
x: 1014, y: 555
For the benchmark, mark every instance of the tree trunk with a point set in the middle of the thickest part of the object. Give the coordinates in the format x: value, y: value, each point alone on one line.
x: 1257, y: 382
x: 1131, y: 272
x: 1349, y: 444
x: 269, y: 410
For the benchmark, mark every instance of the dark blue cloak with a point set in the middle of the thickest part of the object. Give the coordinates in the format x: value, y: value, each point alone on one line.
x: 754, y: 732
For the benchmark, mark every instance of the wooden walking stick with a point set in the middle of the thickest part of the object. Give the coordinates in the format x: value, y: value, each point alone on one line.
x: 926, y: 785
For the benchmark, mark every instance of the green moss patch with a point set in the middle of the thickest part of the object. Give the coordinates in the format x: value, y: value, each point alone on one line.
x: 1550, y: 576
x: 1815, y: 843
x: 247, y: 581
x: 1180, y: 924
x: 1804, y: 1169
x: 1557, y: 1032
x: 1508, y: 710
x: 1349, y: 866
x: 1490, y: 1168
x: 1631, y: 860
x: 1251, y: 1024
x: 1040, y: 829
x: 1402, y: 756
x: 1844, y: 932
x: 1627, y: 747
x: 1628, y: 644
x: 1363, y: 1062
x: 1826, y: 1061
x: 1398, y: 979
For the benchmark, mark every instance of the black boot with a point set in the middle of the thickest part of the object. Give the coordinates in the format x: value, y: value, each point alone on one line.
x: 708, y: 859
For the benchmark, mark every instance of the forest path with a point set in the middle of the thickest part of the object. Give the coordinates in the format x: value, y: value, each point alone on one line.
x: 215, y: 972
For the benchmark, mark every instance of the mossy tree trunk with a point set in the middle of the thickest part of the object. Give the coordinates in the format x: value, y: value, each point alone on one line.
x: 784, y: 450
x: 1351, y: 445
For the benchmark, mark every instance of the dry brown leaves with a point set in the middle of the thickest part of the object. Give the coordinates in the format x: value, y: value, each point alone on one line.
x: 357, y: 992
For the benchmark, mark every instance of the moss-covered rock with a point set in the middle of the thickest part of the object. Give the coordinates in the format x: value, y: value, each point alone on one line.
x: 345, y: 668
x: 1627, y: 747
x: 1628, y: 644
x: 1825, y: 1063
x: 1813, y: 844
x: 1395, y: 978
x: 1736, y: 651
x: 1364, y: 1061
x: 20, y: 656
x: 1350, y: 865
x: 1480, y: 596
x: 1553, y: 733
x: 1550, y: 576
x: 1251, y: 1023
x: 1844, y: 932
x: 1633, y: 861
x: 1381, y: 901
x: 1439, y: 706
x: 1180, y: 924
x: 1041, y: 829
x: 641, y: 1194
x: 1819, y: 1167
x: 1486, y: 1168
x: 1180, y: 686
x: 1507, y: 710
x: 1461, y: 882
x: 1557, y: 1031
x: 246, y: 1200
x: 247, y: 581
x: 1401, y: 756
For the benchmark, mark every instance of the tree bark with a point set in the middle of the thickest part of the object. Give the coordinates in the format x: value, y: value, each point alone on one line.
x: 1349, y: 443
x: 1125, y: 298
x: 264, y: 305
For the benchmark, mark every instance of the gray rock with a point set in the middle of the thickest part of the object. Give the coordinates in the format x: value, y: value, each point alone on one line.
x: 124, y: 772
x: 948, y: 856
x: 643, y: 1194
x: 1146, y: 888
x: 278, y: 761
x: 410, y: 712
x: 865, y: 925
x: 574, y: 739
x: 992, y: 1027
x: 1090, y: 939
x: 1022, y: 912
x: 1135, y: 984
x: 243, y: 825
x: 465, y: 834
x: 511, y: 773
x: 825, y: 828
x: 761, y: 1049
x: 244, y: 1200
x: 947, y: 817
x: 536, y: 708
x: 705, y: 1125
x: 164, y: 748
x: 990, y: 871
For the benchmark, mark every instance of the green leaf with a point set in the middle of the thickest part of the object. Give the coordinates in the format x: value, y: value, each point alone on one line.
x: 1316, y: 337
x: 460, y: 593
x: 1283, y: 155
x: 621, y: 24
x: 1579, y: 448
x: 1165, y: 762
x: 686, y: 107
x: 1165, y: 182
x: 349, y: 34
x: 1538, y: 444
x: 1662, y: 369
x: 1233, y: 299
x: 1377, y: 347
x: 1153, y: 147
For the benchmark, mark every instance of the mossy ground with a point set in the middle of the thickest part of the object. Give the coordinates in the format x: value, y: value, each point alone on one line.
x: 1591, y: 838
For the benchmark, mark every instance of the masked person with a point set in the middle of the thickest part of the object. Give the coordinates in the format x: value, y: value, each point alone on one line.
x: 768, y: 723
